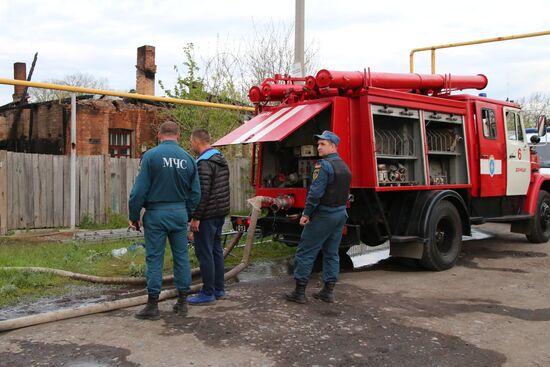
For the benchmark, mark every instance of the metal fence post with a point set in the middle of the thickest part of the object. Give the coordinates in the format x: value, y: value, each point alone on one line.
x: 73, y: 161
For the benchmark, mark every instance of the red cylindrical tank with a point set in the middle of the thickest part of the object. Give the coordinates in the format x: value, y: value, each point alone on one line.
x: 310, y: 82
x: 339, y: 79
x: 279, y: 91
x: 328, y: 92
x: 355, y: 79
x: 255, y: 94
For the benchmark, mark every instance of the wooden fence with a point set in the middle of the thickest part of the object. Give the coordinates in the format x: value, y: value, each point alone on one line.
x: 35, y: 189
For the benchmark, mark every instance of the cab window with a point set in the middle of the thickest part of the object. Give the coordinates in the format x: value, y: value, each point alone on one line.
x: 513, y: 126
x: 489, y: 123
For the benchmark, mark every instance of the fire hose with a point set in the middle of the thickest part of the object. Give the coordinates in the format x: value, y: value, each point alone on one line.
x: 114, y: 280
x: 26, y: 321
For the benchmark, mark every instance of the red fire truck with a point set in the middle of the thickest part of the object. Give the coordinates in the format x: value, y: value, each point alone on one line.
x: 426, y: 163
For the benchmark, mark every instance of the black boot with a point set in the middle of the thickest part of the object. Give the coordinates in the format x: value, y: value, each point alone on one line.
x: 180, y: 307
x: 298, y: 295
x: 326, y: 294
x: 150, y: 311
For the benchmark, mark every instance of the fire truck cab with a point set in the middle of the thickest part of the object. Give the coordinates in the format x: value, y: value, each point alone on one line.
x: 426, y: 164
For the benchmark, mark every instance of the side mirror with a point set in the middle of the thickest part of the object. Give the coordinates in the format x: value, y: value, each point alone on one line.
x: 535, y: 139
x: 541, y: 125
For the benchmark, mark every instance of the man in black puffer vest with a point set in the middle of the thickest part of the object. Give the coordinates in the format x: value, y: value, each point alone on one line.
x: 207, y: 220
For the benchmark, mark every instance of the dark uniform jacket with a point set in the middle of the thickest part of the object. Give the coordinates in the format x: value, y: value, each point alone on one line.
x: 167, y: 178
x: 214, y: 179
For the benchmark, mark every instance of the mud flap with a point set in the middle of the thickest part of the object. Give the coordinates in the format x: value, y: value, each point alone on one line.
x: 411, y: 250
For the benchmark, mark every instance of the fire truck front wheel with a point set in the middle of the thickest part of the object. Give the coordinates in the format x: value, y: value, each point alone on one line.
x: 539, y: 226
x: 444, y: 237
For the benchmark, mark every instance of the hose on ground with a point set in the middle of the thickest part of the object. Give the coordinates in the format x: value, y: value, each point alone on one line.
x: 139, y: 300
x: 114, y: 280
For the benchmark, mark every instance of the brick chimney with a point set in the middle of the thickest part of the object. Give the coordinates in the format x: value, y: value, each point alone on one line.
x: 146, y: 69
x: 19, y: 73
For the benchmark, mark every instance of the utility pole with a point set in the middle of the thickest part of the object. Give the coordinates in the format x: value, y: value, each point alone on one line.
x: 298, y: 67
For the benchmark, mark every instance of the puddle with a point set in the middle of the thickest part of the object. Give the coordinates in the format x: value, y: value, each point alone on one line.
x: 265, y: 270
x: 76, y: 296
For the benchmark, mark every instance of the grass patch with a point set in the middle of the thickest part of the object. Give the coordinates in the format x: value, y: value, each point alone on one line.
x: 262, y: 250
x: 93, y: 259
x: 115, y: 220
x: 16, y: 285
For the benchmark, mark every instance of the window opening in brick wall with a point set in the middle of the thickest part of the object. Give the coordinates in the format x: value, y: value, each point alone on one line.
x: 120, y: 143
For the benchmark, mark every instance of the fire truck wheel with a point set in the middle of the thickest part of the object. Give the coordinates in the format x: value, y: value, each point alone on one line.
x: 444, y: 237
x: 539, y: 226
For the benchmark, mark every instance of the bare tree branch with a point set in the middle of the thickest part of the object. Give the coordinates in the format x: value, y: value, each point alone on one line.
x: 535, y: 105
x: 77, y: 80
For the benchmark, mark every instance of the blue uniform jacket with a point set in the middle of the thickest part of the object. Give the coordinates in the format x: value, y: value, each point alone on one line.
x: 323, y: 174
x: 168, y: 177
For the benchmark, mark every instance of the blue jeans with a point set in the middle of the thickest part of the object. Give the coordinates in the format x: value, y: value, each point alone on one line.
x: 158, y: 224
x: 322, y: 233
x: 208, y: 248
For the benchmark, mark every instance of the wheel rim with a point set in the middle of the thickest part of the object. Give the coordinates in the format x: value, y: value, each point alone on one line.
x: 545, y: 216
x: 445, y: 233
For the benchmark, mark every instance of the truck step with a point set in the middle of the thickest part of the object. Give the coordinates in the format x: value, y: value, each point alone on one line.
x: 477, y: 220
x: 509, y: 218
x: 405, y: 239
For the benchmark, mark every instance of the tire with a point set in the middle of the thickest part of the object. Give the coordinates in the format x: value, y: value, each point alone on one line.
x: 442, y: 248
x: 539, y: 226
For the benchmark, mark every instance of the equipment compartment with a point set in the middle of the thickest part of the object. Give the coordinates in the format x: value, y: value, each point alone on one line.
x: 446, y: 150
x: 289, y: 163
x: 398, y: 146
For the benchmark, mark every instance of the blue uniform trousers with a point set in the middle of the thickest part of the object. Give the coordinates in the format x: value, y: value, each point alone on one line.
x: 322, y: 233
x: 208, y: 248
x: 160, y: 223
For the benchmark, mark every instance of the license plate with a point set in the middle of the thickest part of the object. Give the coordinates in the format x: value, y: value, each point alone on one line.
x: 241, y: 228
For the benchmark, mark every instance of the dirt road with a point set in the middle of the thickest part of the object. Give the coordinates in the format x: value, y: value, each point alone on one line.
x: 492, y: 309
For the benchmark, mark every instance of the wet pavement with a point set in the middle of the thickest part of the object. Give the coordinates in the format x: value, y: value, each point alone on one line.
x: 492, y: 309
x: 75, y: 296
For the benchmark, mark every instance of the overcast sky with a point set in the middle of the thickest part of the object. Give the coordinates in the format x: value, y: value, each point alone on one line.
x: 101, y: 37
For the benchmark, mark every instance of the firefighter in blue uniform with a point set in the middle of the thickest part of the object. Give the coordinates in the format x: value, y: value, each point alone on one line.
x: 323, y: 218
x: 168, y: 188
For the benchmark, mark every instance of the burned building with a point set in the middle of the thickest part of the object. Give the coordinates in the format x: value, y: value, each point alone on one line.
x: 105, y: 126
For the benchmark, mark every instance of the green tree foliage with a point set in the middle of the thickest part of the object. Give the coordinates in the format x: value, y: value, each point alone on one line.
x: 217, y: 87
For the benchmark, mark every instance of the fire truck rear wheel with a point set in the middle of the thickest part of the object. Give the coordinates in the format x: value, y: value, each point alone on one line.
x: 539, y: 227
x: 444, y: 237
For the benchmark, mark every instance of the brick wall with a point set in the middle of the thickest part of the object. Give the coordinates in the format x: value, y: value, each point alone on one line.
x: 51, y: 131
x: 95, y: 118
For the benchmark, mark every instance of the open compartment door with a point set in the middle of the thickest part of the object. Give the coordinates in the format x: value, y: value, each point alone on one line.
x: 273, y: 125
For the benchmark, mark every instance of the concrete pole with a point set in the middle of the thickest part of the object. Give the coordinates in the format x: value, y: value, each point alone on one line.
x: 73, y: 161
x: 299, y: 39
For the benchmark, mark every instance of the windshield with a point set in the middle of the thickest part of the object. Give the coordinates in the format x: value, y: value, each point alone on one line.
x: 543, y: 150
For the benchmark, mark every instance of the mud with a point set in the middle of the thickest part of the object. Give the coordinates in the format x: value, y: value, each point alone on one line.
x: 35, y: 353
x: 472, y: 252
x: 352, y: 331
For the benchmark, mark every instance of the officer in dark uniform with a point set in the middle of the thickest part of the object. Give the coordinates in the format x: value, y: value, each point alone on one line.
x: 168, y: 187
x: 323, y: 218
